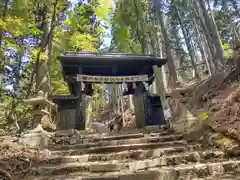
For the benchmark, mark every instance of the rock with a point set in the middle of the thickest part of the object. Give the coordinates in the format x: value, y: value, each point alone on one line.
x: 99, y: 178
x: 51, y: 141
x: 157, y: 153
x: 73, y: 140
x: 140, y: 176
x: 94, y: 178
x: 185, y: 170
x: 44, y: 171
x: 68, y: 132
x: 84, y: 158
x: 59, y: 139
x: 137, y: 165
x: 201, y: 170
x: 167, y: 174
x: 104, y: 167
x: 218, y: 154
x: 15, y: 139
x: 233, y: 152
x: 176, y: 159
x: 153, y: 163
x: 85, y: 141
x: 35, y: 139
x: 152, y: 129
x: 100, y: 127
x: 230, y: 165
x: 163, y: 161
x: 194, y: 157
x: 39, y: 129
x: 215, y: 169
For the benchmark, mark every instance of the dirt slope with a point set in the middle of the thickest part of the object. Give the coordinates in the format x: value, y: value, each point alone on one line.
x: 224, y: 110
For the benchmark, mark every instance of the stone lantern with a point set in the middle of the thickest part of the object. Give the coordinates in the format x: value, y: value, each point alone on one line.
x: 40, y: 110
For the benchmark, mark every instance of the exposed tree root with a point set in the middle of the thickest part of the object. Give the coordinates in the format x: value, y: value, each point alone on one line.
x: 25, y: 170
x: 5, y: 174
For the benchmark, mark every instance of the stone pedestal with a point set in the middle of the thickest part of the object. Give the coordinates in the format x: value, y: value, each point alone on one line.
x: 36, y: 138
x: 184, y: 121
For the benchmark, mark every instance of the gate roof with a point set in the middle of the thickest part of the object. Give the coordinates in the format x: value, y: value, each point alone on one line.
x: 114, y: 64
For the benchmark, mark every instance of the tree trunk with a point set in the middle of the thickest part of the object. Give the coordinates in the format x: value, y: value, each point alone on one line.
x: 210, y: 23
x: 41, y: 67
x: 88, y: 111
x: 114, y: 98
x: 122, y: 106
x: 190, y: 50
x: 199, y: 15
x: 141, y: 37
x: 170, y: 62
x: 202, y: 50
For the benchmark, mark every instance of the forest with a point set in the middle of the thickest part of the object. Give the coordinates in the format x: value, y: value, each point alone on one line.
x: 197, y: 37
x: 198, y: 87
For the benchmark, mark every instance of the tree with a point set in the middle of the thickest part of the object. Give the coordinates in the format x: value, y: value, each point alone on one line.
x: 32, y: 35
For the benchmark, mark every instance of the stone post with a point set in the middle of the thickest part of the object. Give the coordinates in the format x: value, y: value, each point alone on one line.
x: 139, y: 106
x: 159, y: 84
x: 67, y: 116
x: 161, y: 92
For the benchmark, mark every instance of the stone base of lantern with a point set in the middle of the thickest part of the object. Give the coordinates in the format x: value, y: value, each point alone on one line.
x: 37, y: 137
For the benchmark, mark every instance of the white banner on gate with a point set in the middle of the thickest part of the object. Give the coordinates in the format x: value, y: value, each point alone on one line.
x: 112, y: 79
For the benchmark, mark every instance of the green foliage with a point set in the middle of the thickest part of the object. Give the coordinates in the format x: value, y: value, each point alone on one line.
x: 82, y: 42
x: 227, y: 50
x: 130, y: 26
x: 25, y: 28
x: 103, y: 9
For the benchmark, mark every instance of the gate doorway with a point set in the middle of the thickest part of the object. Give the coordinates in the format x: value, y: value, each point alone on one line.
x: 82, y: 70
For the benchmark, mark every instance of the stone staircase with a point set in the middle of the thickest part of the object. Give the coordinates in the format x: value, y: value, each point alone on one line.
x: 134, y: 156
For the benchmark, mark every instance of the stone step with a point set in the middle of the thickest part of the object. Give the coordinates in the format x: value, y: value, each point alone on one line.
x: 124, y: 137
x: 91, y: 138
x: 101, y: 176
x: 130, y: 165
x: 119, y: 137
x: 182, y: 171
x: 225, y: 176
x: 102, y: 137
x: 92, y: 148
x: 133, y: 154
x: 130, y: 155
x: 112, y: 136
x: 121, y: 142
x: 79, y: 138
x: 123, y: 134
x: 154, y: 128
x: 146, y: 129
